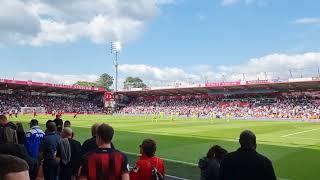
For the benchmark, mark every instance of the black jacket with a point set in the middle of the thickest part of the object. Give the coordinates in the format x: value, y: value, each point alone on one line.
x: 246, y: 165
x: 21, y: 152
x: 209, y: 168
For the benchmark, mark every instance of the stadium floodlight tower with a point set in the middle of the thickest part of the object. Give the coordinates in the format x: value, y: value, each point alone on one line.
x: 115, y: 49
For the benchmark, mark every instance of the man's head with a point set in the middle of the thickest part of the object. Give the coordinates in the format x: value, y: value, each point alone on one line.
x: 14, y: 168
x: 33, y: 122
x: 51, y: 127
x: 104, y: 134
x: 3, y: 120
x: 148, y: 147
x: 67, y: 124
x: 66, y: 132
x: 94, y: 129
x: 247, y: 140
x: 217, y: 152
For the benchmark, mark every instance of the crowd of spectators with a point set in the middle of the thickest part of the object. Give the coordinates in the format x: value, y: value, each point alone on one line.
x: 14, y: 102
x: 240, y: 106
x: 54, y: 154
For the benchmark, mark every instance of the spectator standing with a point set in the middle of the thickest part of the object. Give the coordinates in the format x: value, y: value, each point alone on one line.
x: 13, y: 168
x: 21, y: 135
x: 90, y: 144
x: 68, y: 152
x: 33, y: 139
x: 59, y: 122
x: 7, y: 132
x: 148, y: 162
x: 246, y: 163
x: 210, y: 164
x: 67, y: 124
x: 48, y: 150
x: 105, y: 162
x: 19, y: 150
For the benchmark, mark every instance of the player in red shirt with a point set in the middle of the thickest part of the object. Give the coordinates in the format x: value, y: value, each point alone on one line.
x: 143, y: 168
x: 34, y: 113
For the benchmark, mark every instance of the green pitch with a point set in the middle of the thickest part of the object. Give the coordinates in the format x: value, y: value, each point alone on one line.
x: 293, y: 147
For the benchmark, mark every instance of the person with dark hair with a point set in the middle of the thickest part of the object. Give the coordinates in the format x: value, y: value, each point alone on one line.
x: 20, y: 133
x: 90, y: 144
x: 210, y: 164
x: 59, y: 122
x: 13, y: 168
x: 68, y: 153
x: 33, y: 139
x: 47, y: 124
x: 47, y: 152
x: 148, y: 163
x: 105, y: 162
x: 20, y: 151
x: 246, y: 163
x: 8, y: 132
x: 67, y: 124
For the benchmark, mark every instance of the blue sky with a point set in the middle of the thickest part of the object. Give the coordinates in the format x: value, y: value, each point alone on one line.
x: 165, y: 40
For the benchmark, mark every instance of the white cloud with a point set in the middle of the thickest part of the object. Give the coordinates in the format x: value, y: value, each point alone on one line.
x: 229, y: 2
x: 55, y: 78
x: 307, y: 20
x: 259, y: 3
x: 271, y: 66
x: 39, y: 22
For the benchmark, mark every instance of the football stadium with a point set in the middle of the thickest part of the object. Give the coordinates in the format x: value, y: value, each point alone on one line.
x: 186, y: 121
x: 159, y: 90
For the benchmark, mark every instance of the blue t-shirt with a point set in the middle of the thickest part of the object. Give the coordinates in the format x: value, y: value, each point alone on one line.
x: 49, y: 146
x: 32, y: 142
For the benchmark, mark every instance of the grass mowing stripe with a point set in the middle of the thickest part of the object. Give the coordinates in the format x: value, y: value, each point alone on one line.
x: 300, y: 132
x: 314, y: 139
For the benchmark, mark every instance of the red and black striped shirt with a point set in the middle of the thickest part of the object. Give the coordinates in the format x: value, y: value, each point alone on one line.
x: 104, y: 164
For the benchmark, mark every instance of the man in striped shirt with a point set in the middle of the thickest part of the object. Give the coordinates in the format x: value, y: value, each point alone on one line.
x: 105, y: 162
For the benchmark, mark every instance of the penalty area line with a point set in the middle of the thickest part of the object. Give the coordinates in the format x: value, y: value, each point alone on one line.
x: 300, y: 132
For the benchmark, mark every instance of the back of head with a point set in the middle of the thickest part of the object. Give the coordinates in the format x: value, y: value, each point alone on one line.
x: 3, y: 119
x: 94, y: 129
x: 34, y: 122
x: 12, y: 164
x: 67, y: 124
x: 66, y: 132
x: 51, y: 127
x: 20, y: 127
x: 105, y: 132
x: 217, y: 152
x: 248, y: 140
x: 47, y: 123
x: 149, y: 147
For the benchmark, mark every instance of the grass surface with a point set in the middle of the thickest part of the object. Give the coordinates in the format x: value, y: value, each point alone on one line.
x: 293, y: 147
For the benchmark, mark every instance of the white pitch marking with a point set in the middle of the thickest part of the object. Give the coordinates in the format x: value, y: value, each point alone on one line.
x: 170, y: 160
x: 304, y: 138
x: 175, y: 177
x: 300, y: 132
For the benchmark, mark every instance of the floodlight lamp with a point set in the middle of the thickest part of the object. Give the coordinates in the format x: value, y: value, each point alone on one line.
x: 116, y: 46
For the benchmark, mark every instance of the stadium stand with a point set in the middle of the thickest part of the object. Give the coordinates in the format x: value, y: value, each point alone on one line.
x: 16, y: 95
x: 238, y: 100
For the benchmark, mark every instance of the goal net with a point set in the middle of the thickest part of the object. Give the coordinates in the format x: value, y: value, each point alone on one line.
x: 29, y: 110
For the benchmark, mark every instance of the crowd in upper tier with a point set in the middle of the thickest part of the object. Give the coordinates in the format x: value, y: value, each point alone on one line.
x: 241, y: 106
x: 14, y: 102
